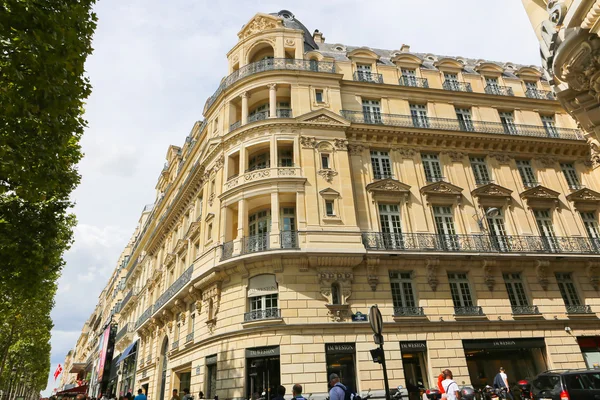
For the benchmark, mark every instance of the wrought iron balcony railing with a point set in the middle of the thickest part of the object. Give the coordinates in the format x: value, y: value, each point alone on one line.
x: 270, y: 65
x: 457, y: 86
x: 258, y: 116
x: 126, y: 299
x: 499, y: 90
x: 408, y: 312
x: 379, y: 175
x: 284, y: 113
x: 226, y: 250
x: 468, y: 310
x: 482, y: 181
x: 175, y: 344
x: 288, y: 239
x: 456, y: 125
x: 174, y: 288
x: 525, y: 310
x: 413, y: 81
x: 144, y: 317
x: 363, y: 76
x: 256, y: 243
x: 122, y: 333
x: 478, y: 243
x: 433, y: 179
x: 189, y: 337
x: 530, y: 184
x: 579, y: 309
x: 267, y: 313
x: 235, y: 125
x: 540, y: 94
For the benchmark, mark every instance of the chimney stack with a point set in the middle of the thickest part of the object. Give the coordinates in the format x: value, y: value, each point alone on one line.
x: 405, y: 48
x: 318, y: 37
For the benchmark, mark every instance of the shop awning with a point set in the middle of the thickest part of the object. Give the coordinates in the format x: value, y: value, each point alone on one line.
x: 73, y: 391
x: 127, y: 351
x: 77, y: 368
x: 262, y: 285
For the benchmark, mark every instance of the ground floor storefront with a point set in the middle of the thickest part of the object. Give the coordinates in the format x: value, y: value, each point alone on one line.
x: 246, y: 364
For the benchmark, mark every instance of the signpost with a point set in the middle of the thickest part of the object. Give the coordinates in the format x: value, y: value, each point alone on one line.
x: 376, y: 322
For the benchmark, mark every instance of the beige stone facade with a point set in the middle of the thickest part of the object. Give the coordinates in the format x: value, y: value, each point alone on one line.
x: 327, y: 178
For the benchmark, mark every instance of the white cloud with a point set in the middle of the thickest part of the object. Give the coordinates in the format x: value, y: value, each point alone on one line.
x: 154, y: 65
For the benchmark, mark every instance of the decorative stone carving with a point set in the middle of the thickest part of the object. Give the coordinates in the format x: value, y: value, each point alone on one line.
x: 323, y: 119
x: 585, y: 199
x: 541, y: 272
x: 492, y: 195
x: 455, y: 156
x: 442, y: 193
x: 211, y: 199
x: 431, y: 266
x: 259, y: 24
x: 355, y: 149
x: 372, y: 276
x: 342, y: 277
x: 303, y: 264
x: 593, y: 270
x: 388, y: 189
x: 277, y: 264
x: 289, y: 42
x: 541, y: 196
x: 547, y: 162
x: 503, y: 159
x: 308, y: 142
x: 340, y: 144
x: 405, y: 153
x: 488, y: 273
x: 219, y: 162
x: 594, y: 154
x: 327, y: 174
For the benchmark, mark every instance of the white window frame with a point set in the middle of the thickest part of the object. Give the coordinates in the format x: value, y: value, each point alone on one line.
x: 381, y: 164
x: 544, y: 222
x: 460, y: 290
x: 371, y: 111
x: 507, y: 118
x: 549, y: 124
x: 443, y: 217
x: 571, y: 176
x: 390, y: 223
x: 492, y: 85
x: 403, y: 292
x: 419, y: 116
x: 528, y: 176
x: 465, y: 119
x: 480, y: 170
x: 409, y: 77
x: 432, y: 167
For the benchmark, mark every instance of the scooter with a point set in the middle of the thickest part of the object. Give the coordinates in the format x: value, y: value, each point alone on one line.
x: 365, y: 397
x: 432, y: 394
x: 399, y: 395
x: 467, y: 392
x: 524, y: 390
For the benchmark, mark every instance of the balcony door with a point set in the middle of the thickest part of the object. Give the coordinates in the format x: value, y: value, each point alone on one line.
x: 444, y: 225
x: 492, y: 86
x: 543, y: 218
x: 259, y: 226
x: 409, y: 76
x: 451, y: 81
x: 259, y: 161
x: 465, y: 121
x: 591, y: 227
x: 418, y: 112
x: 288, y: 228
x: 372, y: 111
x: 391, y: 227
x: 364, y: 72
x: 461, y: 291
x: 498, y: 231
x: 508, y: 122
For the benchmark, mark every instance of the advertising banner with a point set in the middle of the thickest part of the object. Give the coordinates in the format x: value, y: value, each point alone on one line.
x: 103, y: 348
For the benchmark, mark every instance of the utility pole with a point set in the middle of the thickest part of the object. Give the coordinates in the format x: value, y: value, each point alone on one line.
x: 376, y: 322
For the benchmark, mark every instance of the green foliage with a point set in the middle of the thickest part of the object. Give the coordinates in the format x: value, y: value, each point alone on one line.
x: 43, y: 48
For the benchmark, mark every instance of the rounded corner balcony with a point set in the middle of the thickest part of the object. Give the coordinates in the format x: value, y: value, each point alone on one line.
x: 269, y: 64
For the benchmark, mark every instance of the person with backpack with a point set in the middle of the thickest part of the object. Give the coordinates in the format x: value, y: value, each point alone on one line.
x: 501, y: 381
x: 450, y: 386
x: 297, y: 392
x: 338, y: 391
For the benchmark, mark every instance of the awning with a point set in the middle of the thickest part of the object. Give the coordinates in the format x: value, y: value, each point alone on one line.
x: 262, y: 285
x: 73, y: 391
x: 127, y: 351
x: 77, y: 368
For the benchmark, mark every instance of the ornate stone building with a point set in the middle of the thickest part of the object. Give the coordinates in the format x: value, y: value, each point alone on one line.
x: 326, y: 178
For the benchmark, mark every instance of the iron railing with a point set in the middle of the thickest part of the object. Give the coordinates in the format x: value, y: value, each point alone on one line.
x: 468, y: 310
x: 288, y: 239
x: 457, y: 86
x: 525, y: 310
x: 481, y: 182
x: 433, y: 179
x: 499, y: 90
x: 255, y: 243
x: 530, y: 184
x: 189, y: 337
x: 126, y: 299
x: 270, y: 65
x: 227, y: 250
x: 540, y: 94
x: 478, y: 243
x: 579, y: 309
x: 144, y: 317
x: 258, y: 116
x: 235, y: 125
x: 408, y: 312
x: 377, y: 175
x: 267, y: 313
x: 175, y: 344
x: 122, y: 333
x: 365, y: 76
x: 284, y: 113
x: 456, y: 125
x: 576, y: 186
x: 174, y: 288
x: 413, y: 81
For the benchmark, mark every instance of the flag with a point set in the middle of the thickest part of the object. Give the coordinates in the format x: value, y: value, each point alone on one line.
x: 57, y: 372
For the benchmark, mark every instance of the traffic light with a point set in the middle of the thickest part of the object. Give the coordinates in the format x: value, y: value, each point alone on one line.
x: 377, y: 355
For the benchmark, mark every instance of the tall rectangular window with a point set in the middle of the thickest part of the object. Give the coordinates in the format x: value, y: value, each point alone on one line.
x: 211, y: 376
x: 543, y: 218
x: 409, y: 77
x: 325, y: 161
x: 465, y: 121
x: 402, y: 293
x: 507, y: 118
x: 451, y: 81
x: 319, y: 95
x: 432, y: 167
x: 491, y: 85
x: 391, y: 227
x: 329, y: 211
x: 515, y: 290
x: 372, y: 111
x: 570, y: 173
x: 418, y: 113
x: 460, y: 290
x: 567, y: 289
x: 382, y: 167
x: 591, y: 225
x: 498, y: 231
x: 364, y: 72
x: 480, y: 170
x: 444, y: 225
x: 549, y: 125
x: 527, y: 174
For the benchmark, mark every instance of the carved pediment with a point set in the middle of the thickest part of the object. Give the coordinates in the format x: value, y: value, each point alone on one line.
x: 442, y: 193
x: 329, y: 193
x: 180, y: 246
x: 169, y: 259
x: 585, y: 199
x: 323, y: 116
x: 260, y: 22
x: 540, y: 196
x: 492, y: 195
x: 390, y: 188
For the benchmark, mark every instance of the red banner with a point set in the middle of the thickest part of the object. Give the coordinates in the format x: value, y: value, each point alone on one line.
x: 57, y: 372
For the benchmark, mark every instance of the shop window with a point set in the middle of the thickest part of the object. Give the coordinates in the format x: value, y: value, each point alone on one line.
x: 341, y: 360
x: 263, y: 372
x: 185, y: 379
x: 414, y: 363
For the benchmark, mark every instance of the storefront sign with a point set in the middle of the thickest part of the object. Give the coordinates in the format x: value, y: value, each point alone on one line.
x: 504, y: 344
x: 211, y: 360
x: 413, y: 346
x: 262, y: 285
x: 359, y: 317
x: 259, y: 352
x: 337, y: 348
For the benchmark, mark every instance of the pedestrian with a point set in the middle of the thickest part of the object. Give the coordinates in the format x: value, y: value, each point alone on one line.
x: 175, y: 395
x: 201, y: 395
x: 450, y: 387
x: 140, y: 395
x: 441, y: 378
x: 501, y: 381
x: 338, y: 391
x: 187, y: 395
x: 297, y: 392
x: 280, y: 393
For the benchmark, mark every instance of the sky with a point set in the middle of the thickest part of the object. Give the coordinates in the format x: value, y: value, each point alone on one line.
x: 156, y: 62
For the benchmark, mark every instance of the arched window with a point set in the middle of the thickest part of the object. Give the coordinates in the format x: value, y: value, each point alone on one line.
x: 262, y: 298
x: 336, y: 297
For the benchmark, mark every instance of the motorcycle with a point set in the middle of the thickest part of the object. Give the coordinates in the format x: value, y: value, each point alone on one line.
x: 399, y: 395
x: 365, y: 397
x: 467, y: 392
x: 432, y: 394
x: 524, y: 390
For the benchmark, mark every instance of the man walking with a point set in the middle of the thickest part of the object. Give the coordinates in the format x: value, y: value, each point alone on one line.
x: 297, y: 392
x: 186, y: 394
x: 140, y: 395
x: 501, y: 381
x: 338, y: 391
x: 280, y: 393
x: 175, y: 395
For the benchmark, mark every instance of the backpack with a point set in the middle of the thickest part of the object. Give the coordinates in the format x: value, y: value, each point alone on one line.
x: 348, y: 395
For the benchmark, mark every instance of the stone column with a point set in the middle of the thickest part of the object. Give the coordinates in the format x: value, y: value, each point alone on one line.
x: 272, y: 100
x: 244, y: 97
x: 274, y: 237
x: 242, y: 224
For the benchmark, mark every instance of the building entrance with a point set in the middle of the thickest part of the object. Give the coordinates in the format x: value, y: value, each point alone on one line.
x: 522, y: 358
x: 414, y: 363
x: 262, y: 366
x: 341, y: 360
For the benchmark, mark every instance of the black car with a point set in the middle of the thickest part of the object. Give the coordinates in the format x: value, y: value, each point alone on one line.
x: 575, y: 384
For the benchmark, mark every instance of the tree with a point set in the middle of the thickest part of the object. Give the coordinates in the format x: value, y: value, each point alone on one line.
x: 43, y: 48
